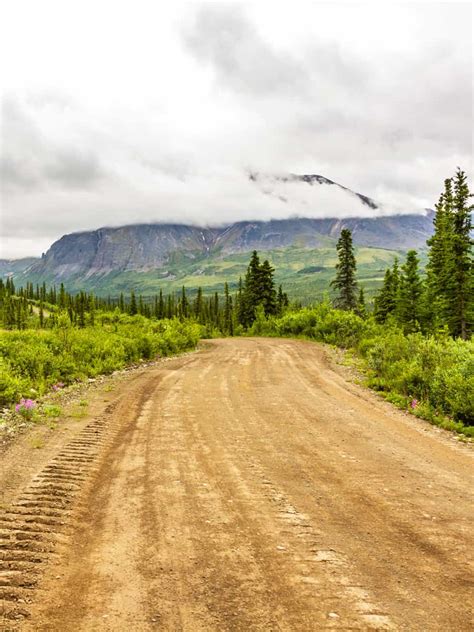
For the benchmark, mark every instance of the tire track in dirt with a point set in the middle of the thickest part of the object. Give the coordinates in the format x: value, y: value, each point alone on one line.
x: 39, y: 518
x: 38, y: 524
x: 319, y: 573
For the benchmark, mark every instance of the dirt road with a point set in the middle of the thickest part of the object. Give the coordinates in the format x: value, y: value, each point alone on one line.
x: 245, y: 487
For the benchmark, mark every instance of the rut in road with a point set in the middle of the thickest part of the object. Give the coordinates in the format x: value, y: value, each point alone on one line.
x: 248, y: 486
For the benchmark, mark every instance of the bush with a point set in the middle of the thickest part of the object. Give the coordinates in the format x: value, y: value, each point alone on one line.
x: 32, y: 359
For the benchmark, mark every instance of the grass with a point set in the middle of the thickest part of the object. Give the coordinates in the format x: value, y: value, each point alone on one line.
x: 78, y: 412
x: 51, y: 411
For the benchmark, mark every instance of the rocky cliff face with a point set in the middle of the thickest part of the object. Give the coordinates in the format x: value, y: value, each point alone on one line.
x: 141, y: 247
x: 154, y: 246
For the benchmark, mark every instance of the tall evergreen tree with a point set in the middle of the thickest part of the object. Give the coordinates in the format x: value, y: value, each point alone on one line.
x: 80, y: 308
x: 133, y: 304
x: 161, y: 305
x: 460, y: 295
x: 411, y: 288
x: 280, y: 300
x: 251, y: 291
x: 41, y: 315
x: 440, y: 266
x: 184, y: 304
x: 62, y: 296
x: 228, y: 328
x: 386, y: 300
x: 345, y: 282
x: 240, y: 307
x: 91, y: 309
x: 198, y: 307
x: 361, y: 309
x: 267, y: 293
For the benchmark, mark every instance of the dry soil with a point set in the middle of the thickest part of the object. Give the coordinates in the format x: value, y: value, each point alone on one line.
x: 248, y: 486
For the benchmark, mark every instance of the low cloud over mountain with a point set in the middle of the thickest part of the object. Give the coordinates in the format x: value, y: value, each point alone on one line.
x: 165, y: 120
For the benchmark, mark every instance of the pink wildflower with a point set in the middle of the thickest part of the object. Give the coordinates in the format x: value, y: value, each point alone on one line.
x: 414, y: 403
x: 25, y: 408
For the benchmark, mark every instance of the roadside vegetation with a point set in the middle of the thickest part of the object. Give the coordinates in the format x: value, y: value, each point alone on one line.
x: 414, y: 341
x: 431, y: 376
x: 36, y: 361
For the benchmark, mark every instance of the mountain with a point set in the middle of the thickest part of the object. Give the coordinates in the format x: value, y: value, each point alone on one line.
x: 15, y: 267
x: 114, y: 259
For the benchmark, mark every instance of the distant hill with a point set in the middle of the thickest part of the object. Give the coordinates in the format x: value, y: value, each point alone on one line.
x: 14, y: 267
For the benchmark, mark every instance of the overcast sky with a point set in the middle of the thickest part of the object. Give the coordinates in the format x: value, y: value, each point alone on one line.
x: 120, y: 112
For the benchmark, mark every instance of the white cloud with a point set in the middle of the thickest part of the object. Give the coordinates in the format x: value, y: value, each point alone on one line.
x: 121, y: 112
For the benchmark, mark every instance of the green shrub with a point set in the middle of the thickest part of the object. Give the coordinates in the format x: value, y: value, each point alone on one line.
x: 32, y: 359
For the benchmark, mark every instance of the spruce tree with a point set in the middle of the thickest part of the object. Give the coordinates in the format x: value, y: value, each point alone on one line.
x: 240, y: 307
x: 133, y: 304
x: 80, y: 308
x: 386, y: 300
x: 215, y: 310
x: 62, y: 296
x: 251, y: 291
x: 198, y: 307
x: 361, y: 309
x: 409, y: 301
x: 267, y: 294
x: 91, y: 309
x: 280, y: 300
x: 440, y: 266
x: 169, y: 307
x: 161, y: 306
x: 460, y: 294
x: 228, y: 321
x: 345, y: 282
x: 183, y: 304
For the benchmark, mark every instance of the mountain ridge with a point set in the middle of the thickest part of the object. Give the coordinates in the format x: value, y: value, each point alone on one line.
x: 145, y: 247
x: 89, y: 257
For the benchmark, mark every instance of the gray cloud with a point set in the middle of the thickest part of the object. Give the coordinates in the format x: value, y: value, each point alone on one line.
x: 31, y: 161
x: 74, y: 169
x: 223, y: 36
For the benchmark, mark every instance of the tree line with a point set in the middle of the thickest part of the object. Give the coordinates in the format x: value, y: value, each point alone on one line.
x: 443, y: 299
x: 41, y: 305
